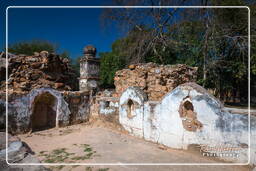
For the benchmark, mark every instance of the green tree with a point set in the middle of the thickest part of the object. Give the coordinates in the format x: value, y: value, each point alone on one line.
x: 65, y: 54
x: 29, y: 47
x: 214, y: 40
x: 110, y: 62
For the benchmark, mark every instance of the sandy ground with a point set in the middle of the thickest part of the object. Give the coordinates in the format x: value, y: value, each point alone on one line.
x: 96, y: 144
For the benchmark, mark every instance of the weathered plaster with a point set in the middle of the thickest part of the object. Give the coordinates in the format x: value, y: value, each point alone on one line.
x: 20, y: 109
x: 135, y: 124
x: 160, y: 121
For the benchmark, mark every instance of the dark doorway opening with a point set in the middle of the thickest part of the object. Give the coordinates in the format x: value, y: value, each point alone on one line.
x: 130, y: 112
x: 44, y: 112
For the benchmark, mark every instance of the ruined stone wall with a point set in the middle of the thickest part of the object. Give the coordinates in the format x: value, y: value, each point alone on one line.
x: 185, y: 116
x: 155, y: 80
x: 69, y: 107
x: 36, y: 71
x: 79, y: 106
x: 106, y: 106
x: 2, y: 114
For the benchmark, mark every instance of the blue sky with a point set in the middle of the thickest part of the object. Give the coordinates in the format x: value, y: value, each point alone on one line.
x: 71, y: 29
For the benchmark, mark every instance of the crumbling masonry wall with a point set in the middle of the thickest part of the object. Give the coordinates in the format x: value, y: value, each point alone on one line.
x: 155, y: 80
x: 79, y: 106
x: 105, y: 106
x: 39, y: 70
x: 34, y: 80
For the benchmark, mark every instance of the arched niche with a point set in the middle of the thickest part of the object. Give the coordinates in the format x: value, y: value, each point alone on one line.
x: 189, y: 116
x: 130, y: 109
x: 44, y: 112
x: 60, y: 105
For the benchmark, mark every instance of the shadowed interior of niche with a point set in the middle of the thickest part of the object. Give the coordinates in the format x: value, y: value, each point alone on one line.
x: 44, y: 112
x: 130, y: 109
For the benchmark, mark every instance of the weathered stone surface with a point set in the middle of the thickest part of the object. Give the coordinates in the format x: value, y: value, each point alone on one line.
x: 89, y: 70
x: 67, y: 108
x: 10, y: 140
x: 21, y: 106
x: 155, y: 80
x: 44, y: 54
x: 79, y: 106
x: 131, y: 109
x: 105, y: 106
x: 90, y: 50
x: 2, y: 67
x: 204, y: 123
x: 40, y: 70
x: 18, y: 152
x: 2, y: 114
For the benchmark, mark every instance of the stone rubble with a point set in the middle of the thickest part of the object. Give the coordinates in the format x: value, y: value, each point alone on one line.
x: 155, y: 80
x: 39, y: 70
x: 18, y: 152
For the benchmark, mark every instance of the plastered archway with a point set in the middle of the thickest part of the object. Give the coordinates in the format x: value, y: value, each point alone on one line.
x: 131, y: 110
x: 60, y: 105
x: 44, y: 112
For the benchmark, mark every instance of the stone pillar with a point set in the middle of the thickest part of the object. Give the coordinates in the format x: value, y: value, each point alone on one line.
x: 89, y: 70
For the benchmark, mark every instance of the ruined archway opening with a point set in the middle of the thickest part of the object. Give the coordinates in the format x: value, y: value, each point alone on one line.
x: 44, y: 112
x: 130, y: 109
x: 189, y: 116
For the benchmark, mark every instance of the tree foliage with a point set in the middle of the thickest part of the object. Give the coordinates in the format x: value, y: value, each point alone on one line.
x: 214, y: 40
x: 110, y: 62
x: 29, y: 47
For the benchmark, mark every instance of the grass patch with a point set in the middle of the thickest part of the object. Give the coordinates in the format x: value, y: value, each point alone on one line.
x: 57, y: 155
x: 103, y: 169
x: 88, y: 169
x: 88, y: 149
x: 60, y: 155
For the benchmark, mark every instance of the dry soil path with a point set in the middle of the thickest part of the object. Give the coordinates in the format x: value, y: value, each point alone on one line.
x: 84, y: 144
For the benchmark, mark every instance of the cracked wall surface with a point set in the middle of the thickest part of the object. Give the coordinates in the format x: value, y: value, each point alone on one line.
x: 204, y: 123
x: 71, y: 107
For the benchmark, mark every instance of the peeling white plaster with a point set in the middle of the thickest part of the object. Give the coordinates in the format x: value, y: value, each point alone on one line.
x: 161, y: 122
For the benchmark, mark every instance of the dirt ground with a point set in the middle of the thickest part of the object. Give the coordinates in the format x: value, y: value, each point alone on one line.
x: 85, y: 143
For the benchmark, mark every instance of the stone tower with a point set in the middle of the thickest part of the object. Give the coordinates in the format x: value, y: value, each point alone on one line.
x: 89, y: 69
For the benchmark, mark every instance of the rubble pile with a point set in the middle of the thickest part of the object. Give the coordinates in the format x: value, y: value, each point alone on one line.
x: 18, y: 152
x: 155, y: 80
x: 39, y: 70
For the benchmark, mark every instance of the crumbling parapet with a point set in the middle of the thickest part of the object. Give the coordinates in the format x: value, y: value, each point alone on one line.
x: 89, y: 70
x: 36, y: 71
x: 155, y: 80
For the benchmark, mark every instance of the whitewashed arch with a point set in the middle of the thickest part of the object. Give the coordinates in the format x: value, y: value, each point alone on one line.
x: 62, y: 110
x: 134, y: 123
